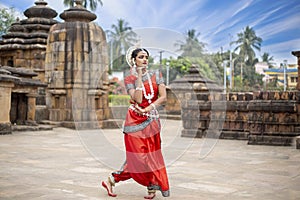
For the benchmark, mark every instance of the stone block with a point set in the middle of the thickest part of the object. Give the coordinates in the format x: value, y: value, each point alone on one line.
x: 192, y: 133
x: 273, y: 140
x: 68, y: 124
x: 41, y: 113
x: 242, y: 106
x: 5, y: 128
x: 234, y: 135
x: 56, y: 79
x: 203, y: 96
x: 106, y: 112
x: 19, y: 63
x: 118, y: 112
x: 86, y: 114
x: 59, y: 66
x: 61, y: 35
x: 190, y: 124
x: 61, y: 57
x: 231, y: 106
x: 100, y: 114
x: 57, y: 46
x: 112, y: 124
x: 218, y: 105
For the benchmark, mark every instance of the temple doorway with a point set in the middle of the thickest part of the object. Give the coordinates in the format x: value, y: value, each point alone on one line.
x: 18, y: 111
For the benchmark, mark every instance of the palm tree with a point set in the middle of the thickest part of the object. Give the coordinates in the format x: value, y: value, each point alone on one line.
x: 266, y: 58
x: 192, y: 47
x: 247, y: 41
x: 92, y: 3
x: 121, y: 38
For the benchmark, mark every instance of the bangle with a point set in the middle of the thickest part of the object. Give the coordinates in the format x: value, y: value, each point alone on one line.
x: 153, y: 105
x: 139, y: 88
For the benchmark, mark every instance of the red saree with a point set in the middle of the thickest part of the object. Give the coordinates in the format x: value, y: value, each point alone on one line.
x: 144, y: 160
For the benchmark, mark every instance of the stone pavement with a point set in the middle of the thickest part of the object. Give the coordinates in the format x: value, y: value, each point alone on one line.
x: 66, y: 164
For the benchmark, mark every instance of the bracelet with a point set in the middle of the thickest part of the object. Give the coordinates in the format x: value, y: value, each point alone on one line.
x: 153, y: 105
x: 139, y: 88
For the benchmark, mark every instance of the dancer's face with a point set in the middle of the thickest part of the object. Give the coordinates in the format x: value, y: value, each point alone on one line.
x: 141, y: 59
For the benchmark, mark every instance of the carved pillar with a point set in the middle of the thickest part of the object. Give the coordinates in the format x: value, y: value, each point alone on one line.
x: 5, y: 102
x: 6, y: 85
x: 31, y: 100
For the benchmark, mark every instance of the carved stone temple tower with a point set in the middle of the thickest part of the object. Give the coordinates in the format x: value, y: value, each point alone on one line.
x: 76, y: 70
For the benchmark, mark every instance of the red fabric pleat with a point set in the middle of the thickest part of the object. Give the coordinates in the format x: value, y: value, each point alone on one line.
x: 144, y: 159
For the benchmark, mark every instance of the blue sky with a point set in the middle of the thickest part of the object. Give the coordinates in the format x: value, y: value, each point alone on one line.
x: 217, y: 21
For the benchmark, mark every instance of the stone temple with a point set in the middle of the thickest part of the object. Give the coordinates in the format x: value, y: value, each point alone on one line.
x: 53, y: 70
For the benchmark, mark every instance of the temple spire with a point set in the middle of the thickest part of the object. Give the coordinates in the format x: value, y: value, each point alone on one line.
x: 78, y: 13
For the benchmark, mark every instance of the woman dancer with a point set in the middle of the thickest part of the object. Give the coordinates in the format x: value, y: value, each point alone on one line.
x: 144, y: 160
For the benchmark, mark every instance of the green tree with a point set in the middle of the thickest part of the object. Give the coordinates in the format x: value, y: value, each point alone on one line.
x: 91, y: 3
x: 247, y: 41
x: 7, y: 17
x: 121, y: 38
x: 191, y: 47
x: 178, y: 67
x: 268, y: 59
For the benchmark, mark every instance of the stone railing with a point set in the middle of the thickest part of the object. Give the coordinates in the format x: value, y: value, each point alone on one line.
x: 269, y: 118
x: 263, y: 117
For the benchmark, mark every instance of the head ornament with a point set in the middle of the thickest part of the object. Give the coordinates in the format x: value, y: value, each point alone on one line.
x: 130, y: 60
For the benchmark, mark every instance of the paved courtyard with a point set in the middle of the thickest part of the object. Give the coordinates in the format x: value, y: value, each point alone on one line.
x: 67, y: 164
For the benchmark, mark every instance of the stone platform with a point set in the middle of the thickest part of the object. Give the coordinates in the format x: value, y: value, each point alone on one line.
x: 65, y: 164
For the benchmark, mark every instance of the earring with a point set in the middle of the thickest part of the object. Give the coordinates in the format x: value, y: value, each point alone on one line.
x: 133, y: 66
x: 133, y: 62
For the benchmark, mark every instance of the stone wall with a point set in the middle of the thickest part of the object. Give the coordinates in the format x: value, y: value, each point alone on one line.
x: 269, y: 118
x: 173, y: 103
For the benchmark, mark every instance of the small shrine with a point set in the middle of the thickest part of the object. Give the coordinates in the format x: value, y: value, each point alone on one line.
x: 191, y: 94
x: 17, y: 97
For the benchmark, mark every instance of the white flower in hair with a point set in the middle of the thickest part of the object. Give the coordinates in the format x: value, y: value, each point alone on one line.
x: 130, y: 60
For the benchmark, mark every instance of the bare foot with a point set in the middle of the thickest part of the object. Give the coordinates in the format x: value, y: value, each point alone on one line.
x: 150, y: 196
x: 107, y: 185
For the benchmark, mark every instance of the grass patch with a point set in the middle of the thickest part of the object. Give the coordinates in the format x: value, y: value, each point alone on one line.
x: 118, y: 100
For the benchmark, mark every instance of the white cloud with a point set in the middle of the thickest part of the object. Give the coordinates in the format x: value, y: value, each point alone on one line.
x: 158, y: 38
x: 268, y: 31
x: 282, y: 51
x: 286, y: 45
x: 223, y: 20
x: 264, y: 17
x: 243, y: 7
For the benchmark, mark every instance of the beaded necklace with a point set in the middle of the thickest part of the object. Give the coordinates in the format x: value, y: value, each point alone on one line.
x: 151, y: 94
